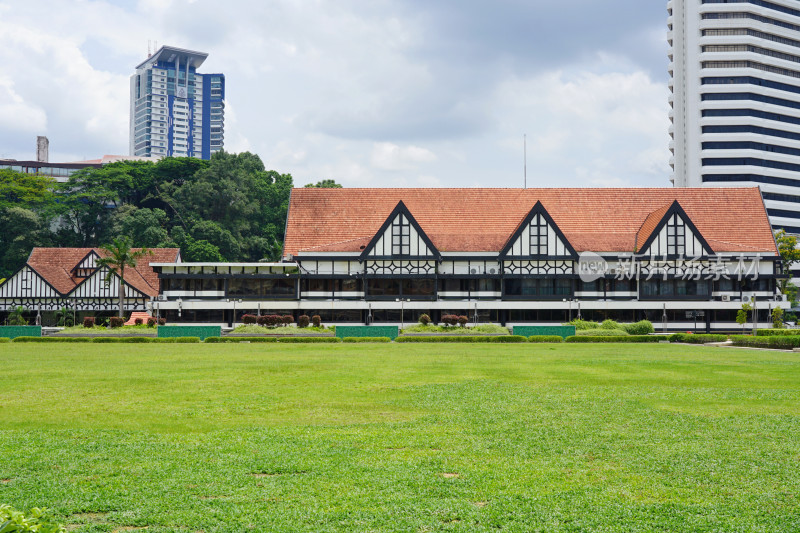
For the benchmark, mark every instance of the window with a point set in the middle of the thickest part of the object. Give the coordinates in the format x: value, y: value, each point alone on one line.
x: 676, y: 236
x: 401, y: 236
x: 538, y: 235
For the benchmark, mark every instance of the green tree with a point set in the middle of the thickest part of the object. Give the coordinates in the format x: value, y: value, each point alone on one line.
x: 117, y: 257
x: 200, y: 252
x: 790, y: 256
x: 28, y: 191
x: 324, y: 184
x: 742, y: 314
x: 15, y: 318
x: 22, y: 230
x: 777, y: 318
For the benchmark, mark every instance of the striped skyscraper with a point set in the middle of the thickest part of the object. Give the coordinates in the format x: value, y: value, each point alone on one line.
x: 735, y: 97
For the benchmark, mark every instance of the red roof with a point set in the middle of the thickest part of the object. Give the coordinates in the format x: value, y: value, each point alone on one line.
x: 57, y: 265
x: 482, y: 220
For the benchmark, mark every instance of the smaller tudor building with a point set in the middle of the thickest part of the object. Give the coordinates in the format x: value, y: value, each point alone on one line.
x: 53, y: 278
x: 507, y: 256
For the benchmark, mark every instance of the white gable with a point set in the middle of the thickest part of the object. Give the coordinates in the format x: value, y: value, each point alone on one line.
x: 676, y: 238
x: 89, y: 263
x: 401, y: 238
x: 95, y: 286
x: 27, y: 284
x: 539, y: 238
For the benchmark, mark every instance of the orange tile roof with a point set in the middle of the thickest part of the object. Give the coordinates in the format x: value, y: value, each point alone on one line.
x: 481, y: 220
x: 56, y: 266
x: 649, y: 225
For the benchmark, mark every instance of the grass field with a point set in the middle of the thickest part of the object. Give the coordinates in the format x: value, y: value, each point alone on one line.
x: 402, y: 437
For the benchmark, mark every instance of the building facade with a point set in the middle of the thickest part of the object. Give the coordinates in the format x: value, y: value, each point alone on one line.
x: 57, y: 278
x: 735, y: 97
x: 175, y: 110
x: 504, y: 256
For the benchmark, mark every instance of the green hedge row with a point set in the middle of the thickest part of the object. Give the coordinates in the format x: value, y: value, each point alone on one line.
x: 5, y: 339
x: 213, y: 340
x: 697, y: 338
x: 602, y: 333
x: 545, y: 338
x: 366, y: 339
x: 627, y: 338
x: 778, y: 342
x: 464, y: 338
x: 777, y: 332
x: 127, y: 340
x: 309, y: 339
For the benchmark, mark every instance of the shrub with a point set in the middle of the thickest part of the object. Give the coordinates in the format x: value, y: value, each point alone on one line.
x: 626, y: 338
x: 424, y: 319
x: 610, y: 324
x: 643, y: 327
x: 316, y: 320
x: 261, y: 320
x: 777, y: 318
x: 777, y: 332
x: 138, y: 321
x: 15, y: 318
x: 218, y: 340
x: 178, y: 340
x: 775, y: 342
x: 462, y: 320
x: 449, y: 320
x: 582, y: 324
x: 88, y: 322
x: 303, y: 321
x: 4, y: 339
x: 274, y: 320
x: 464, y: 338
x: 52, y: 339
x: 162, y: 321
x: 602, y: 332
x: 545, y: 338
x: 34, y: 520
x: 287, y: 320
x: 116, y: 322
x: 151, y: 322
x: 701, y: 338
x: 123, y: 339
x: 251, y: 319
x: 366, y: 339
x: 309, y: 339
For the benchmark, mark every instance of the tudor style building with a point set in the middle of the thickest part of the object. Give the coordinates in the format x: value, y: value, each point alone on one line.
x: 500, y: 255
x: 54, y: 278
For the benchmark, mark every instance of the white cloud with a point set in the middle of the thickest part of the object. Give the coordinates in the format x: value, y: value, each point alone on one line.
x: 389, y: 156
x: 16, y: 114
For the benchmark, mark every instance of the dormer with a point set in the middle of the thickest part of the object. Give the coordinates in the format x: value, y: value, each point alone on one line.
x: 539, y: 237
x: 86, y: 266
x: 400, y: 237
x: 669, y: 232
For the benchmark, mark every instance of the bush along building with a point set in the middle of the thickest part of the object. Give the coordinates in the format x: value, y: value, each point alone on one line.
x: 676, y: 257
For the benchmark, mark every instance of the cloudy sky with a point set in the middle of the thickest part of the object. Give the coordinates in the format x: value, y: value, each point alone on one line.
x: 388, y: 93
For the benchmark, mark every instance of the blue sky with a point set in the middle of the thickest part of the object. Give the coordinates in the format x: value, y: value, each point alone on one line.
x: 380, y: 93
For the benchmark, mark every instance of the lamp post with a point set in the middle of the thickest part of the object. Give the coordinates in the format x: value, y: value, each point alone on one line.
x: 579, y: 308
x: 180, y: 306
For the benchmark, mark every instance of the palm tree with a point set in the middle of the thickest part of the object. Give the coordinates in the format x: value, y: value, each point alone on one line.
x: 119, y: 255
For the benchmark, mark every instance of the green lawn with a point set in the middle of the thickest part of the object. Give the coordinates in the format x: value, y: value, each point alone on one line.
x: 261, y: 437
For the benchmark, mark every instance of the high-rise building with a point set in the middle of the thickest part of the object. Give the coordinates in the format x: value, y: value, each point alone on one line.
x: 175, y: 110
x: 735, y: 97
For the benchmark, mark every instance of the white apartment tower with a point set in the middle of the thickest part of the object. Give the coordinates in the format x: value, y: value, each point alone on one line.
x: 735, y: 97
x: 175, y: 110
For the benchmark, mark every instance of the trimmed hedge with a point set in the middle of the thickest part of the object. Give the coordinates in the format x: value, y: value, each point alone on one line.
x: 366, y: 339
x: 123, y: 339
x: 777, y: 332
x: 52, y: 339
x: 463, y: 338
x: 601, y: 332
x: 4, y: 339
x: 625, y: 338
x: 179, y: 340
x: 213, y: 340
x: 697, y: 338
x: 776, y: 342
x: 310, y: 339
x: 643, y: 327
x: 545, y: 338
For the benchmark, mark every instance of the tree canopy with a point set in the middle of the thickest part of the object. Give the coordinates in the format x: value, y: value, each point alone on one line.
x: 229, y: 208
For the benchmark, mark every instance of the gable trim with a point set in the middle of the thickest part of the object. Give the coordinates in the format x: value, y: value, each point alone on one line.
x: 401, y: 209
x: 538, y: 209
x: 674, y: 209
